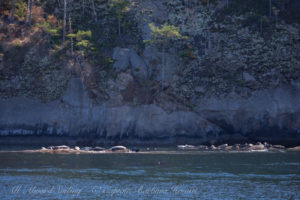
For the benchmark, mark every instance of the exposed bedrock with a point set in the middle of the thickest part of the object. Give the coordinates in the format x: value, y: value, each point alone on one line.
x: 270, y: 115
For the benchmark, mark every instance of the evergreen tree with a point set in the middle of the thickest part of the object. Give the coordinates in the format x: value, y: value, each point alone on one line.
x: 30, y: 12
x: 27, y: 12
x: 64, y: 22
x: 13, y: 4
x: 120, y: 7
x: 70, y: 32
x: 94, y: 11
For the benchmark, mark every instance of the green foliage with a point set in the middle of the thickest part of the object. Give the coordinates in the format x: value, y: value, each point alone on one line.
x: 47, y: 27
x: 53, y: 31
x: 20, y: 10
x: 83, y: 40
x: 18, y: 45
x: 165, y: 34
x: 20, y: 7
x: 104, y: 33
x: 119, y: 6
x: 83, y: 43
x: 80, y: 35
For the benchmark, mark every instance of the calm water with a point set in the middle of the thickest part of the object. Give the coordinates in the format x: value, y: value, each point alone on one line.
x: 150, y: 176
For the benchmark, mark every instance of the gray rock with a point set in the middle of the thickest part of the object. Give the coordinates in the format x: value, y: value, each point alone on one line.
x: 297, y: 148
x: 248, y: 77
x: 202, y: 147
x: 75, y: 114
x: 86, y: 148
x: 75, y: 94
x: 122, y: 58
x: 152, y: 59
x: 278, y: 146
x: 123, y: 80
x: 200, y: 89
x: 276, y: 111
x: 98, y: 149
x: 128, y: 58
x: 138, y: 66
x: 135, y: 149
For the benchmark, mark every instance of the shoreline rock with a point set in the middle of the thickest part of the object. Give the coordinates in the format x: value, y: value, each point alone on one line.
x: 297, y: 148
x: 258, y: 147
x: 76, y: 149
x: 187, y: 147
x: 210, y: 119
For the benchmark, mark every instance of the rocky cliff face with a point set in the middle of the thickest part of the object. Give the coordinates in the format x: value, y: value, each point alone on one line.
x: 233, y: 79
x: 270, y: 115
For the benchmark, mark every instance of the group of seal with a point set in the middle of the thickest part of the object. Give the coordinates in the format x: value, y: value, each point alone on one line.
x: 258, y: 147
x: 76, y: 149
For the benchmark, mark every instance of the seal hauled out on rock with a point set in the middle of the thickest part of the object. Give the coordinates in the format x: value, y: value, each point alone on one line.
x: 119, y: 149
x: 258, y: 147
x: 76, y: 149
x: 62, y: 147
x: 187, y: 147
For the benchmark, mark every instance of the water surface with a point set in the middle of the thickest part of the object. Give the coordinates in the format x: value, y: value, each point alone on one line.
x: 150, y: 176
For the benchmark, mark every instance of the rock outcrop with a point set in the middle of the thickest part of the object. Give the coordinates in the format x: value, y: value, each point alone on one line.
x: 272, y: 115
x: 233, y: 79
x: 129, y: 59
x: 75, y: 115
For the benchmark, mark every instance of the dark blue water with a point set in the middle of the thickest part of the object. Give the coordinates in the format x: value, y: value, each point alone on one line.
x: 150, y: 176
